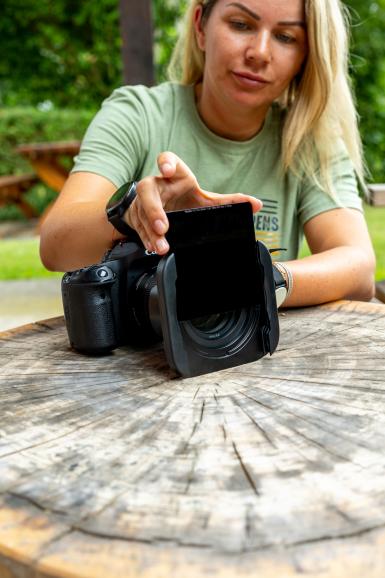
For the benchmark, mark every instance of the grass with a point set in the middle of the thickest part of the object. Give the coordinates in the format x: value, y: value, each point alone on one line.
x: 375, y: 217
x: 19, y: 259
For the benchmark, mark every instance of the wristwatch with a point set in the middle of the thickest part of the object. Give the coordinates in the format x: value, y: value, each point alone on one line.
x: 281, y: 284
x: 117, y: 206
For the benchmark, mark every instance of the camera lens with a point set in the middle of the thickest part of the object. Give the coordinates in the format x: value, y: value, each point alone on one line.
x: 145, y: 308
x: 221, y: 334
x: 210, y: 323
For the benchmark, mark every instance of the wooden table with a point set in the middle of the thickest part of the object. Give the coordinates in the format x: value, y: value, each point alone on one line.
x: 46, y: 159
x: 112, y: 467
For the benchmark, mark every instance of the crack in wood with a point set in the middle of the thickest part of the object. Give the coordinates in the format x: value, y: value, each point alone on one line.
x: 196, y: 393
x: 301, y: 434
x: 338, y: 536
x: 71, y: 528
x: 191, y: 474
x: 307, y: 399
x: 256, y: 424
x: 202, y: 411
x: 52, y: 439
x: 342, y: 514
x: 35, y: 503
x: 248, y: 523
x: 316, y: 424
x: 184, y: 449
x: 245, y: 470
x: 241, y: 550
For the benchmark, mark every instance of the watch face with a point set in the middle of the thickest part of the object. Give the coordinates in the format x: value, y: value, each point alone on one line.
x: 119, y: 195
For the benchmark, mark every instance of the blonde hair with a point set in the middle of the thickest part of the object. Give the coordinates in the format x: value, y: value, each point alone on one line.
x: 320, y: 110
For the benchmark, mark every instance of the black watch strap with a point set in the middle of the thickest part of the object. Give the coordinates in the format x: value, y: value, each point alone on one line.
x: 117, y: 206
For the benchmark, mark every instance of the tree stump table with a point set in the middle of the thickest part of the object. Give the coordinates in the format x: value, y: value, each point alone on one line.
x: 114, y: 468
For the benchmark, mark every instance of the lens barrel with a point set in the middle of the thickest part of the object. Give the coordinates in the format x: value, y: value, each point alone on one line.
x: 145, y: 307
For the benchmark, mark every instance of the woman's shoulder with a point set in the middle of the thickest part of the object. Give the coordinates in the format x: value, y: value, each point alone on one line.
x: 161, y: 98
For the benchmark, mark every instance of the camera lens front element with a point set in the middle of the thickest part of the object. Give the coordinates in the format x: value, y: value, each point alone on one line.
x: 211, y: 325
x: 221, y: 334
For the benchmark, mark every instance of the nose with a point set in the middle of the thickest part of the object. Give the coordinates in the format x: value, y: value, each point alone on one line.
x: 259, y: 47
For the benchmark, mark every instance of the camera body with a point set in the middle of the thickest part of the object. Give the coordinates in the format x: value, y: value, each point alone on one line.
x: 211, y: 298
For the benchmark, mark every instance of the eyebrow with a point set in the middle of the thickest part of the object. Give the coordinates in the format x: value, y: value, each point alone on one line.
x: 257, y: 17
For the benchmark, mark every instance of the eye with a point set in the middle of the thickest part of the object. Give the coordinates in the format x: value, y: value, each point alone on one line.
x: 239, y: 25
x: 285, y: 38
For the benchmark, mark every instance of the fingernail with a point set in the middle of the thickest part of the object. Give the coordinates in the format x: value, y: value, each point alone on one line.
x: 161, y: 246
x: 160, y: 227
x: 166, y: 167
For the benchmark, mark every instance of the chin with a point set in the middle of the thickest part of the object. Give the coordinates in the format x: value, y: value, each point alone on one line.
x: 249, y: 101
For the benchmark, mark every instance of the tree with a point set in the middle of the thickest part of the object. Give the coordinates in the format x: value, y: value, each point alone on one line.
x: 368, y: 73
x: 137, y: 41
x: 69, y: 53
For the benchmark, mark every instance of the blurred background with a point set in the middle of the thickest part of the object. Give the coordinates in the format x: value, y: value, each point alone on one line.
x: 60, y: 59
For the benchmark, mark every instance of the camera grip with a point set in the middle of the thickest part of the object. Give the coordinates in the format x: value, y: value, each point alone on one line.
x: 88, y: 310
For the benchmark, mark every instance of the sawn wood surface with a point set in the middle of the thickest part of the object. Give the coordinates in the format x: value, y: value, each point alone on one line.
x: 114, y: 468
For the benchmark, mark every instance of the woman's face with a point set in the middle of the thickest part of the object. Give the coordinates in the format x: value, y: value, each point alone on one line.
x: 253, y: 49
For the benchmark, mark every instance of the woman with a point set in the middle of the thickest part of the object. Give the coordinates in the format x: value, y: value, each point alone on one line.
x: 264, y: 110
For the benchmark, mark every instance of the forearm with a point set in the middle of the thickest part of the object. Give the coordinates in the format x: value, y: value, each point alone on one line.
x: 78, y: 237
x: 345, y: 272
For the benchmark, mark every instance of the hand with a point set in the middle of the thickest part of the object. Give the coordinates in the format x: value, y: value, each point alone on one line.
x: 176, y: 188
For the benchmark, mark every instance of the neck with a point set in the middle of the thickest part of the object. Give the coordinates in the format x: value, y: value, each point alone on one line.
x: 240, y: 124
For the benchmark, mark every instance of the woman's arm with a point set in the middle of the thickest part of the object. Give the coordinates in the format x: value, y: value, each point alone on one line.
x: 76, y: 232
x: 342, y: 263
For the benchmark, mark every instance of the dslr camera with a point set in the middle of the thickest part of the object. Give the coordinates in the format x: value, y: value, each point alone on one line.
x: 211, y: 298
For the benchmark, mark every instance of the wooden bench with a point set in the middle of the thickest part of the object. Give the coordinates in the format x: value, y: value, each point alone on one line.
x: 12, y: 189
x: 377, y: 194
x: 380, y: 291
x: 46, y: 160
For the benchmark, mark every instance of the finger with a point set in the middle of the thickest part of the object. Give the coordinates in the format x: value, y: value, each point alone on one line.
x: 135, y: 222
x: 256, y: 204
x: 156, y: 242
x: 152, y: 236
x: 151, y: 207
x: 228, y: 199
x: 172, y: 167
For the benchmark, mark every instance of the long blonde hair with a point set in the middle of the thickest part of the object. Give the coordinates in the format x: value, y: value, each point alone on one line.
x: 319, y: 104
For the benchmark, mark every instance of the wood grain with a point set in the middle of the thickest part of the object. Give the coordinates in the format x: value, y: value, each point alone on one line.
x: 114, y: 467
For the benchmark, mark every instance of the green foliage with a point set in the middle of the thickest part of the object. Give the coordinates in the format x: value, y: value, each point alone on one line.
x: 64, y: 52
x: 368, y: 72
x: 68, y: 54
x: 24, y: 125
x: 375, y: 218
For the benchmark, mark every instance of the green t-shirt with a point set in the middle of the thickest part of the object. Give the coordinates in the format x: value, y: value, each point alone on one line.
x: 137, y: 123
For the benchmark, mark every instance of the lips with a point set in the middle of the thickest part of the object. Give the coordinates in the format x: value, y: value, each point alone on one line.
x: 250, y: 79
